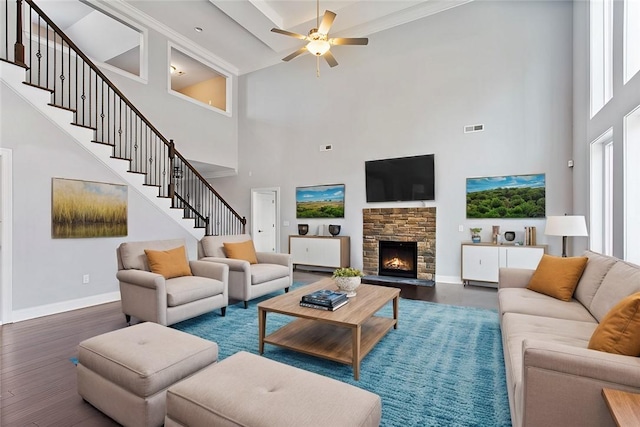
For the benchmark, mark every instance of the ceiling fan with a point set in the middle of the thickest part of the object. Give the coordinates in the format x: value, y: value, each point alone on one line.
x: 319, y: 43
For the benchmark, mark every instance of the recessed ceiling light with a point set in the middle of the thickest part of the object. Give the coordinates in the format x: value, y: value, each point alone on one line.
x: 198, y: 29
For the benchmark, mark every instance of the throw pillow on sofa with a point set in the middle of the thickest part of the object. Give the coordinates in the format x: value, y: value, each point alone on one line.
x: 171, y: 263
x: 557, y: 276
x: 619, y: 330
x: 243, y: 250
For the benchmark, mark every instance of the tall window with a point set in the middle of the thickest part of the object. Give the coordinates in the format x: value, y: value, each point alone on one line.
x: 601, y: 197
x: 601, y: 53
x: 631, y: 38
x: 632, y: 186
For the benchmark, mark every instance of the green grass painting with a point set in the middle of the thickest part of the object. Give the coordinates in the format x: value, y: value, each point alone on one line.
x: 320, y: 201
x: 88, y: 209
x: 512, y: 196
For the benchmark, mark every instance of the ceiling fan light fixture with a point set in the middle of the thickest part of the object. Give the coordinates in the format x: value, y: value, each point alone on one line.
x: 318, y: 47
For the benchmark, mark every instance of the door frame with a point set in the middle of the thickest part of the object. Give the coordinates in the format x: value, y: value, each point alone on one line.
x: 6, y: 253
x: 254, y: 213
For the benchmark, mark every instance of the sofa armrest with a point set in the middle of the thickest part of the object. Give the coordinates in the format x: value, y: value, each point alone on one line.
x: 274, y: 258
x: 234, y: 264
x: 562, y: 384
x: 514, y: 277
x: 212, y: 270
x: 142, y: 278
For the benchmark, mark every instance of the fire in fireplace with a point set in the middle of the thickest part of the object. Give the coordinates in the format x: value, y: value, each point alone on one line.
x: 398, y: 259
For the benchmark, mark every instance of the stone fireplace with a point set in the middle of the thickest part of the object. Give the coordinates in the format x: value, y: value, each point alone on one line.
x: 400, y: 225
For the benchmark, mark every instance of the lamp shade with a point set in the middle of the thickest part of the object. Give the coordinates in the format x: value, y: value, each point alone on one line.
x: 566, y: 225
x: 318, y: 47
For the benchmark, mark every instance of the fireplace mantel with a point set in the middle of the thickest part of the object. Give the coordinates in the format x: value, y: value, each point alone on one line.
x: 400, y: 225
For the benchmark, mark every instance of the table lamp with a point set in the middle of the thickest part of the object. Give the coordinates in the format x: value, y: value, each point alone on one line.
x: 566, y: 225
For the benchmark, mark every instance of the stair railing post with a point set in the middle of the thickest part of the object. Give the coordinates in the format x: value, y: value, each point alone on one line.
x: 172, y: 178
x: 244, y: 225
x: 18, y: 48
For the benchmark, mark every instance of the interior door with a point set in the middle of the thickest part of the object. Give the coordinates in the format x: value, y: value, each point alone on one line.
x: 264, y: 220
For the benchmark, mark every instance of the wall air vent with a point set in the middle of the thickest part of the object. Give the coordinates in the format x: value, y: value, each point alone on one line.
x: 473, y: 128
x: 326, y: 147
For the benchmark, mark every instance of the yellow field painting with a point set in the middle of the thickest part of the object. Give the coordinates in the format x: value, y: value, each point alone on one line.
x: 84, y: 209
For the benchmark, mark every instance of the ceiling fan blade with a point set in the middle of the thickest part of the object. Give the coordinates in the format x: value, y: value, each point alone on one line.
x: 327, y: 21
x: 349, y: 41
x: 298, y: 52
x: 289, y: 33
x: 331, y: 60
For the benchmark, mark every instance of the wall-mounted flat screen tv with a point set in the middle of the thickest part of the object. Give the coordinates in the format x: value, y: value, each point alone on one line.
x: 400, y: 179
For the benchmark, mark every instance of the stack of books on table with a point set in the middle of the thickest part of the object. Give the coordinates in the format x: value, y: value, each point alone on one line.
x: 325, y: 299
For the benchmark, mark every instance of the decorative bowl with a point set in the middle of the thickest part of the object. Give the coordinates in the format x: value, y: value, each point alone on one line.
x: 348, y: 285
x: 303, y: 229
x: 334, y: 230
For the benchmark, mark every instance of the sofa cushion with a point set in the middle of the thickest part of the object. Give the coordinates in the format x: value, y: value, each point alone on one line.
x: 619, y: 331
x: 517, y: 327
x: 242, y: 250
x: 133, y: 257
x: 557, y: 276
x: 622, y: 280
x: 170, y: 263
x: 597, y: 267
x: 261, y: 273
x: 185, y: 289
x: 525, y: 301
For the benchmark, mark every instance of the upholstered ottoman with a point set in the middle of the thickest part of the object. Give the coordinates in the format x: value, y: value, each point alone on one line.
x: 126, y: 373
x: 249, y: 390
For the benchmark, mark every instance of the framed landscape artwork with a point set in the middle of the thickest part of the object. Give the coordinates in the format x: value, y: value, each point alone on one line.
x: 510, y: 196
x: 320, y: 201
x: 87, y: 209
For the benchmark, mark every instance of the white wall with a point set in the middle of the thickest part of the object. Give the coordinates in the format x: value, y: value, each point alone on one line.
x: 47, y: 273
x: 625, y: 99
x: 198, y: 132
x: 507, y: 65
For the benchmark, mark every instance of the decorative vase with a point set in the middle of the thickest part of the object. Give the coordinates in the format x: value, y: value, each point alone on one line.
x: 303, y: 229
x: 334, y: 230
x: 348, y: 285
x: 475, y: 239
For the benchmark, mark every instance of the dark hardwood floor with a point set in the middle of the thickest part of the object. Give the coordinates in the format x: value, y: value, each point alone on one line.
x: 38, y: 381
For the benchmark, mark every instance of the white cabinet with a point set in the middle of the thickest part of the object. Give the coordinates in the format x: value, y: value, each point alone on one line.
x: 320, y: 251
x: 482, y: 262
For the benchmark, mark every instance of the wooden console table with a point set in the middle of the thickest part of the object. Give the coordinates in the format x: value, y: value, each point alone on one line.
x: 624, y: 406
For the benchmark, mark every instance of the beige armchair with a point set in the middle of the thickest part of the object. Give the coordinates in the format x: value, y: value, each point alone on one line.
x: 150, y: 297
x: 274, y: 271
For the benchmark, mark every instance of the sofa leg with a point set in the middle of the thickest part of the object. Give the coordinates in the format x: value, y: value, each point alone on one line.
x: 223, y: 310
x: 246, y: 304
x: 127, y: 317
x: 286, y: 290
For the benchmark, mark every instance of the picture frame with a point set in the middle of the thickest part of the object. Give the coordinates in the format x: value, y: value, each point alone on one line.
x: 508, y: 196
x: 320, y: 201
x: 88, y: 209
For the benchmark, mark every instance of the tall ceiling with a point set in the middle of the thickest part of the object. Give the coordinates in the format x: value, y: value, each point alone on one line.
x: 237, y: 32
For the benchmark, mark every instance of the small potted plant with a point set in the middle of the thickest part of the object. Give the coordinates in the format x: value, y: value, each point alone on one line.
x: 347, y: 279
x: 475, y: 234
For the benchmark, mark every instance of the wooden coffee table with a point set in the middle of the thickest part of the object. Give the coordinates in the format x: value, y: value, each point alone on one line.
x: 346, y: 335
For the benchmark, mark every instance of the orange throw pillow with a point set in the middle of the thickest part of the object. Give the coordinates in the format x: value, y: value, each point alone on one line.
x: 171, y: 263
x: 243, y: 250
x: 619, y: 331
x: 557, y: 276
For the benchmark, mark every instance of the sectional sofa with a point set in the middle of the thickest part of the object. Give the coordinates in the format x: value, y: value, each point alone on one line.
x: 553, y: 378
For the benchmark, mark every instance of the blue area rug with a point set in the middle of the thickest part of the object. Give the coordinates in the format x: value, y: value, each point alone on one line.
x: 443, y: 366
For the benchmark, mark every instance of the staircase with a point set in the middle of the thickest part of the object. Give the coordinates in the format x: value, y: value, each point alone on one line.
x: 61, y: 81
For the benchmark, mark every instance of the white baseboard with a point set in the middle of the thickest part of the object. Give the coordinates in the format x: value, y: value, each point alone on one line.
x: 449, y: 279
x: 61, y: 307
